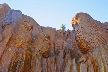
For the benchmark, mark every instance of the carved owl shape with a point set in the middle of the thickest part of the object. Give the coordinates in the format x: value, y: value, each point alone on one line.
x: 89, y: 33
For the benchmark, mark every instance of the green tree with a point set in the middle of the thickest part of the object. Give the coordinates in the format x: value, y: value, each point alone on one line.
x: 63, y: 27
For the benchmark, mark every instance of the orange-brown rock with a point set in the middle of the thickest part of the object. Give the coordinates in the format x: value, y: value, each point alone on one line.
x: 25, y: 46
x: 89, y: 32
x: 42, y: 44
x: 4, y: 8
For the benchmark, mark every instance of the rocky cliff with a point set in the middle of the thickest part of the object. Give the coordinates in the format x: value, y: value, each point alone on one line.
x: 25, y: 46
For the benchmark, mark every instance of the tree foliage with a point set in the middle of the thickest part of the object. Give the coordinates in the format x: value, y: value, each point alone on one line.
x: 63, y: 27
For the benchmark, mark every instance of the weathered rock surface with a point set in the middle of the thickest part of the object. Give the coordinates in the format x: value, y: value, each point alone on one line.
x: 89, y: 32
x: 12, y: 16
x: 25, y: 46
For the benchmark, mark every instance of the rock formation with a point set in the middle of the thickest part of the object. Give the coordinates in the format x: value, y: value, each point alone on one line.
x: 25, y: 46
x: 89, y: 32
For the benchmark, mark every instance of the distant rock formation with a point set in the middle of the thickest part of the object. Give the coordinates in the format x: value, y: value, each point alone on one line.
x: 25, y: 46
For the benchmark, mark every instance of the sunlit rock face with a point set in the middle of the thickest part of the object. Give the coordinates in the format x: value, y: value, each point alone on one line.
x: 25, y: 46
x: 4, y: 8
x: 89, y: 32
x: 92, y: 39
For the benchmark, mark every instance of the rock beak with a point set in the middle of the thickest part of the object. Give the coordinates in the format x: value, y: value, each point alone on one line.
x: 74, y: 22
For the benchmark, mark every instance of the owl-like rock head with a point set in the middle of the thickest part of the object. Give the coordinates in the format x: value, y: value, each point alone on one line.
x: 80, y: 25
x: 80, y: 17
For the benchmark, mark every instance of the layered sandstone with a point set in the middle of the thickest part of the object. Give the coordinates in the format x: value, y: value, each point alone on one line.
x: 25, y: 46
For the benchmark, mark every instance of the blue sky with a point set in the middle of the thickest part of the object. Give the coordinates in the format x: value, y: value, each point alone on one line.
x: 53, y: 13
